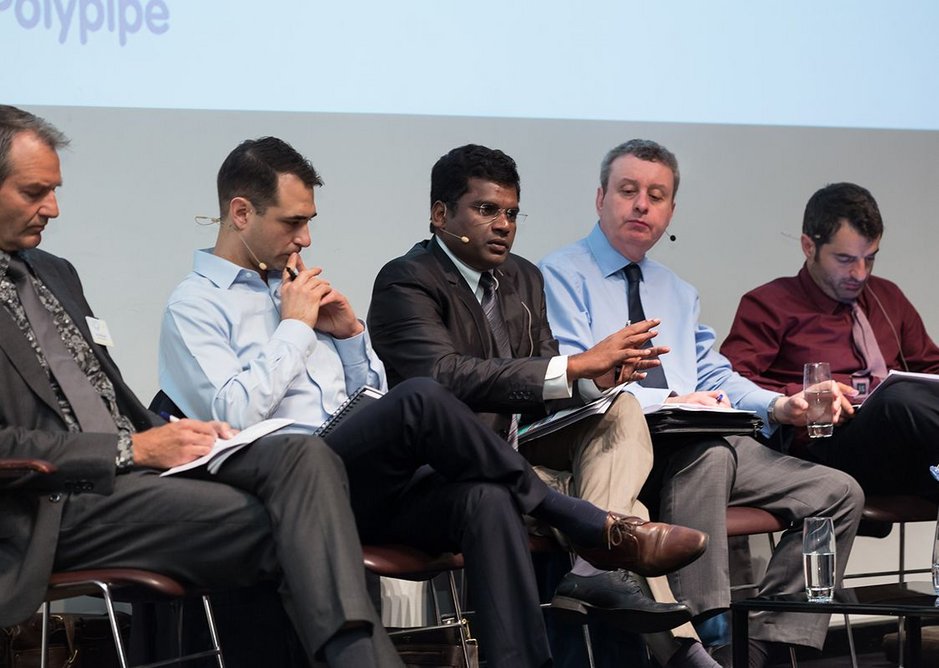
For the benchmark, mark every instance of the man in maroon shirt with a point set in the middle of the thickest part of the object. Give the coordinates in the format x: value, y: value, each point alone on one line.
x: 823, y: 314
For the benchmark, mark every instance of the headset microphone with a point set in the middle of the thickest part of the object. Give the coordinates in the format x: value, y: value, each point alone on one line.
x: 210, y: 220
x: 261, y: 265
x: 672, y: 237
x: 462, y: 238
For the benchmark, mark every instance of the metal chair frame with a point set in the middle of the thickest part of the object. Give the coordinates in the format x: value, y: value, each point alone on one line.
x: 408, y: 563
x: 21, y: 474
x: 144, y: 585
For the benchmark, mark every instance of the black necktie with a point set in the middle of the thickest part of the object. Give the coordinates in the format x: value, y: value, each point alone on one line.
x: 500, y: 334
x: 655, y: 377
x: 85, y: 400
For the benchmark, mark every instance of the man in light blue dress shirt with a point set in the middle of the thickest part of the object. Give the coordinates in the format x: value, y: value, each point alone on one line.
x: 587, y: 294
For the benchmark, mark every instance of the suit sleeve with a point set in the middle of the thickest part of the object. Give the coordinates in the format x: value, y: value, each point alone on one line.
x: 85, y: 462
x: 410, y: 321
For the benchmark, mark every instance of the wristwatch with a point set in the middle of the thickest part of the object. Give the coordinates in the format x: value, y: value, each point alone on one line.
x: 771, y: 410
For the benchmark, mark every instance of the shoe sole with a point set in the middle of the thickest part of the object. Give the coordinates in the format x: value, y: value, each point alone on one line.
x: 574, y: 611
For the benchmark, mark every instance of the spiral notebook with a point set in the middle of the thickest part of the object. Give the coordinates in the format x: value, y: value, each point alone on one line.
x: 361, y: 397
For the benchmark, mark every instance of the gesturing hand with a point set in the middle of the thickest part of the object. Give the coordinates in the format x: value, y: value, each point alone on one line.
x: 623, y: 351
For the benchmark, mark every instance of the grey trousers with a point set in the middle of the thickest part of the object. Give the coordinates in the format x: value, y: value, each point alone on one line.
x: 704, y: 476
x: 278, y: 510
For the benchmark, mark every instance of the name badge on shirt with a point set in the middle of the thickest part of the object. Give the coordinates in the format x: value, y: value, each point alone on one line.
x: 99, y: 331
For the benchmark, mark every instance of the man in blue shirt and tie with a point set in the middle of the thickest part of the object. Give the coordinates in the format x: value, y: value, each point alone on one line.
x: 604, y: 280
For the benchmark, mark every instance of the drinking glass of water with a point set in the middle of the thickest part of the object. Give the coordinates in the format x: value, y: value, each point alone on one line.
x: 818, y: 392
x: 818, y: 558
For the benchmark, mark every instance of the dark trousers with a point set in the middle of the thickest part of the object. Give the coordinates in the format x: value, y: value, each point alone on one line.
x: 277, y: 510
x: 890, y: 443
x: 468, y: 498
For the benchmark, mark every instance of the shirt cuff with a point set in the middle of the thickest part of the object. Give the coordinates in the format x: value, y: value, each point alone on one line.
x: 297, y: 333
x: 353, y: 350
x: 588, y: 389
x: 124, y: 460
x: 556, y: 384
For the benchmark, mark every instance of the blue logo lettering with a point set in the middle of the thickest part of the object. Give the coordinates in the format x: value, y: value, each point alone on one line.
x: 124, y: 17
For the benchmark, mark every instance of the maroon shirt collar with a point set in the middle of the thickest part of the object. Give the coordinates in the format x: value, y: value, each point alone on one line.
x: 822, y: 302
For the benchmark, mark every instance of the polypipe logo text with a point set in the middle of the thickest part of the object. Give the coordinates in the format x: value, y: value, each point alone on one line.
x: 125, y: 17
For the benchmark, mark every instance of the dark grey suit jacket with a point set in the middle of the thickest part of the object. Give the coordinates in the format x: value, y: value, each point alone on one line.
x: 31, y: 426
x: 425, y: 321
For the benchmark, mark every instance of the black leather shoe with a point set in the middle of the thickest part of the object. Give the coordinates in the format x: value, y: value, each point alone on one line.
x: 614, y: 598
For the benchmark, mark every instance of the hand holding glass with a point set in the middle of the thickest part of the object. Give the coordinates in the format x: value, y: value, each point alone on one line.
x: 818, y: 558
x: 819, y: 395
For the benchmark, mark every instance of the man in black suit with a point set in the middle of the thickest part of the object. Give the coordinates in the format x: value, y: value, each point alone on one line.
x: 463, y: 310
x: 278, y: 512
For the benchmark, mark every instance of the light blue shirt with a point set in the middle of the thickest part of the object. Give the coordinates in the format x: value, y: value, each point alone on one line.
x: 225, y: 354
x: 587, y: 300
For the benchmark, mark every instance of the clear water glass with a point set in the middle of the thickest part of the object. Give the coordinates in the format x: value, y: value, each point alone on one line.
x: 818, y: 558
x: 817, y: 386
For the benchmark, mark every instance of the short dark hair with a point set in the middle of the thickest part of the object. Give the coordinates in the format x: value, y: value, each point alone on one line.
x: 644, y: 149
x: 14, y: 121
x: 837, y: 202
x: 449, y: 178
x: 251, y: 171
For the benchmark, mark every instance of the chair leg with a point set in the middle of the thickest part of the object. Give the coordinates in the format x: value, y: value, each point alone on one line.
x: 438, y: 617
x: 792, y: 657
x: 589, y: 645
x: 851, y: 647
x: 44, y: 648
x: 902, y: 567
x: 115, y: 629
x: 213, y: 631
x: 901, y: 641
x: 458, y: 610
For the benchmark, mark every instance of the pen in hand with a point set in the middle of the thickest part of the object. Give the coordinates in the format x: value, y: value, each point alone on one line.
x: 292, y: 272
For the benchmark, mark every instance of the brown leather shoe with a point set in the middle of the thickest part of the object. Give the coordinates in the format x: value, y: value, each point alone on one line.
x: 646, y: 548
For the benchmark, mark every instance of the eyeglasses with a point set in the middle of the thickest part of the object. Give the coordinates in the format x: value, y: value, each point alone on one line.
x: 490, y: 213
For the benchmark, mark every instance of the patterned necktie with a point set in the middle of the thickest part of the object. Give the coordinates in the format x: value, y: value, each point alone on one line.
x: 866, y: 343
x: 85, y: 401
x: 500, y: 334
x: 655, y: 377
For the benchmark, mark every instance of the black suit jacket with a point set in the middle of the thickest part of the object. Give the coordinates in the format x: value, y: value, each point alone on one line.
x: 425, y: 321
x: 31, y: 426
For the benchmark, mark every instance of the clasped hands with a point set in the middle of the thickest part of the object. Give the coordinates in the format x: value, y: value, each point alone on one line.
x: 311, y: 299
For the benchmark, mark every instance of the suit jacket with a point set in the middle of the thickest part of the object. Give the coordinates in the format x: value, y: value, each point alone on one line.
x: 425, y: 321
x: 31, y: 426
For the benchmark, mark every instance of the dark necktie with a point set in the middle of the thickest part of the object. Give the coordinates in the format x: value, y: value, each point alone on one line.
x: 86, y: 402
x: 866, y: 343
x: 655, y: 377
x: 500, y: 334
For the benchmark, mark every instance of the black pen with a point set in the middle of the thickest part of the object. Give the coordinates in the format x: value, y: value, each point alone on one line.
x: 293, y: 273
